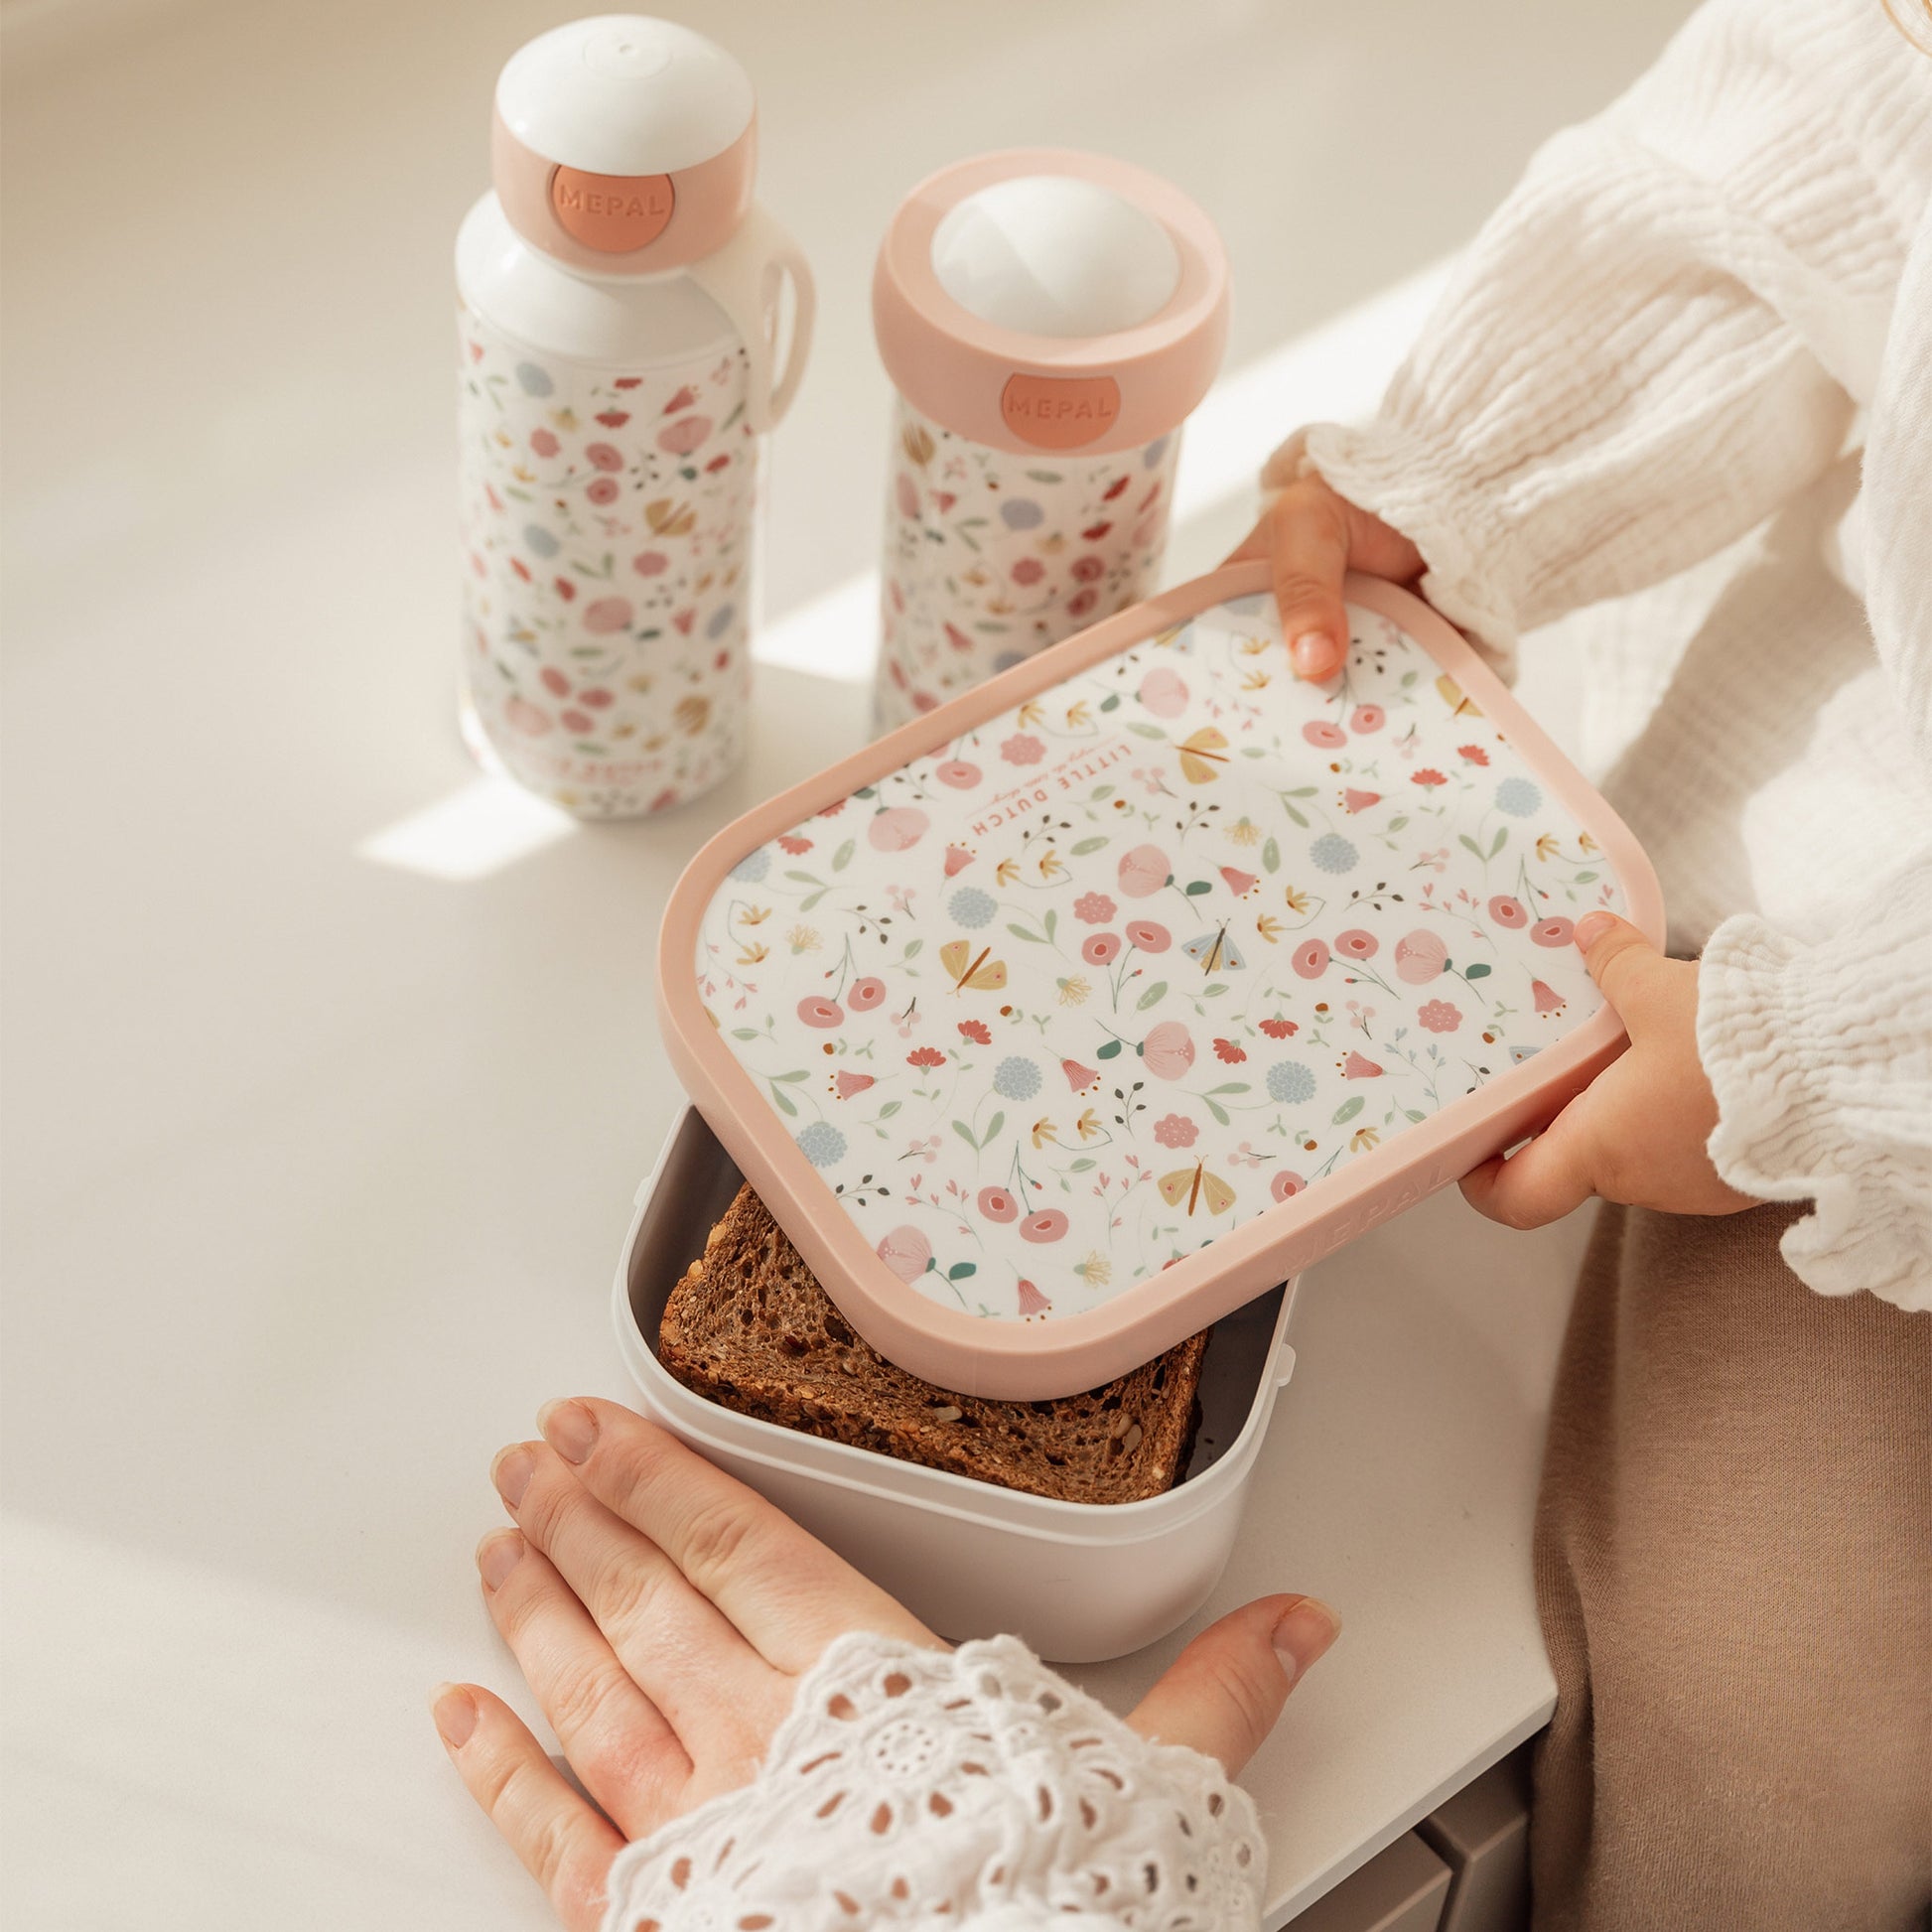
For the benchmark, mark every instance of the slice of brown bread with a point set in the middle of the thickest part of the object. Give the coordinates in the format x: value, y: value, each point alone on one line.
x: 750, y: 1328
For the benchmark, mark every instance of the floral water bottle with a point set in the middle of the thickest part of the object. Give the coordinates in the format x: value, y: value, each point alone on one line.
x: 1048, y: 320
x: 625, y: 339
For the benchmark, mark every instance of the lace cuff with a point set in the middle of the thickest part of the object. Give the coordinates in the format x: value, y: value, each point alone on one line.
x: 972, y: 1790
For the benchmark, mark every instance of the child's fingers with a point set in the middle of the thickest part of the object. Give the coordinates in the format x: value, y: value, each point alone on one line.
x: 563, y: 1842
x: 1308, y: 553
x: 1541, y: 1181
x: 1616, y: 955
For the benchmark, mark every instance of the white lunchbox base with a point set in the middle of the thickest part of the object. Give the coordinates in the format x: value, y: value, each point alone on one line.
x: 1078, y: 1582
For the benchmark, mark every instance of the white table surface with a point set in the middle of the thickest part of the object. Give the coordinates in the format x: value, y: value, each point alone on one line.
x: 316, y: 1162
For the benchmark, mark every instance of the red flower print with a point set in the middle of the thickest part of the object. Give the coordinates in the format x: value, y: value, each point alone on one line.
x: 1029, y: 570
x: 1176, y: 1130
x: 975, y: 1031
x: 521, y: 568
x: 1022, y: 749
x: 684, y: 436
x: 925, y: 1057
x: 722, y: 461
x: 1474, y: 754
x: 1082, y: 602
x: 1100, y: 948
x: 544, y: 442
x: 1227, y: 1050
x: 1150, y: 936
x: 1359, y: 1067
x: 1323, y: 735
x: 1310, y: 959
x: 565, y: 589
x: 1508, y: 912
x: 1427, y: 776
x: 998, y: 1205
x: 650, y: 563
x: 1548, y: 999
x: 1032, y: 1301
x: 1553, y: 932
x: 1286, y: 1184
x: 1420, y: 956
x: 603, y: 456
x: 1353, y: 801
x: 554, y: 681
x: 1079, y: 1077
x: 1092, y: 534
x: 627, y: 382
x: 1280, y: 1029
x: 1239, y: 882
x: 1356, y: 943
x: 1095, y: 908
x: 1114, y: 489
x: 957, y: 638
x: 816, y: 1012
x: 846, y: 1085
x: 576, y: 720
x: 614, y: 418
x: 601, y: 492
x: 684, y: 399
x: 956, y: 772
x: 906, y: 494
x: 1438, y: 1017
x: 790, y: 842
x: 597, y: 700
x: 1088, y: 569
x: 1048, y: 1226
x: 865, y: 994
x: 608, y: 615
x: 1367, y: 718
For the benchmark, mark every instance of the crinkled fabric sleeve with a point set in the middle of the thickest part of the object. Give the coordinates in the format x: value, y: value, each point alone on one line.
x: 1664, y: 331
x: 1821, y: 1058
x: 970, y: 1790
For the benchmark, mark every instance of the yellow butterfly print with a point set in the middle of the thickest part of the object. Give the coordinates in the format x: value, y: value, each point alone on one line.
x: 1452, y: 695
x: 1218, y: 954
x: 970, y: 975
x: 1200, y: 753
x: 1193, y: 1185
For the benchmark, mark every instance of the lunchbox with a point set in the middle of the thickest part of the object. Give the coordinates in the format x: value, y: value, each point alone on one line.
x: 1091, y: 1008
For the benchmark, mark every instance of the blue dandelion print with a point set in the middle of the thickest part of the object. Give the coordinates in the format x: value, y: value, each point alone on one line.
x: 540, y: 540
x: 534, y: 381
x: 822, y: 1144
x: 1518, y: 797
x: 1291, y: 1083
x: 1333, y: 852
x: 1022, y: 514
x: 720, y: 620
x: 753, y: 866
x: 973, y: 907
x: 1016, y: 1078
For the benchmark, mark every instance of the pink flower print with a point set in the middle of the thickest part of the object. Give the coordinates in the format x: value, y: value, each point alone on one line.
x: 1310, y: 959
x: 957, y: 860
x: 1549, y: 1001
x: 1088, y: 569
x: 1280, y: 1029
x: 650, y: 563
x: 1150, y: 936
x: 975, y: 1031
x: 1367, y: 718
x: 1022, y: 749
x: 606, y: 615
x: 1226, y: 1050
x: 1508, y: 912
x: 1553, y: 932
x: 1176, y: 1130
x: 603, y: 456
x: 1359, y: 1067
x: 1082, y: 602
x: 576, y: 720
x: 1029, y: 570
x: 1142, y: 872
x: 527, y: 718
x: 1169, y: 1051
x: 1093, y: 908
x: 598, y: 699
x: 601, y: 492
x: 957, y: 638
x: 864, y: 994
x: 1286, y: 1184
x: 554, y: 681
x: 906, y: 494
x: 564, y: 587
x: 1438, y: 1017
x: 614, y: 418
x: 906, y: 1252
x: 1474, y: 752
x: 1046, y: 1226
x: 790, y: 842
x: 1032, y: 1301
x: 1164, y: 692
x: 1100, y: 948
x: 684, y: 399
x: 957, y: 773
x: 897, y: 829
x: 1353, y: 801
x: 847, y: 1085
x: 815, y: 1011
x: 684, y: 436
x: 998, y: 1205
x: 925, y: 1057
x: 1239, y: 882
x: 1420, y: 956
x: 1427, y: 776
x: 1358, y: 944
x: 1323, y: 735
x: 1080, y: 1078
x: 544, y: 442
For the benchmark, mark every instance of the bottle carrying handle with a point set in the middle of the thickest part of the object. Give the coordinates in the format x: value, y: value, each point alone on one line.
x: 747, y: 278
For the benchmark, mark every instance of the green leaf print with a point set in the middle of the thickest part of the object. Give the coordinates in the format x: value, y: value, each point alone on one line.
x: 745, y: 1033
x: 1196, y: 887
x: 843, y: 856
x: 1111, y: 702
x: 890, y: 1109
x: 1085, y: 1165
x: 1020, y: 932
x: 1087, y: 846
x: 993, y: 1127
x: 1150, y: 998
x: 783, y: 1101
x: 1465, y: 839
x: 1295, y: 816
x: 1144, y: 731
x: 965, y: 1133
x: 1219, y: 1112
x: 1349, y: 1110
x: 961, y: 1269
x: 1500, y: 841
x: 913, y: 948
x: 1108, y: 1050
x: 1271, y: 857
x: 1476, y: 972
x: 1045, y: 476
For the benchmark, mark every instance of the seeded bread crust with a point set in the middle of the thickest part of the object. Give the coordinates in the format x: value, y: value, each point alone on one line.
x: 750, y: 1328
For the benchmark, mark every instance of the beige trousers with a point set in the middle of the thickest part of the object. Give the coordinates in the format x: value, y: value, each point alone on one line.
x: 1733, y: 1567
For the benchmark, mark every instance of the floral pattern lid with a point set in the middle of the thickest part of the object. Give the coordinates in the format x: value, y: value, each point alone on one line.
x: 1093, y: 1003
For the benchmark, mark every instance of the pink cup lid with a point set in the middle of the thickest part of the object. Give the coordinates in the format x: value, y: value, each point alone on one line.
x: 1105, y: 301
x: 1082, y: 1010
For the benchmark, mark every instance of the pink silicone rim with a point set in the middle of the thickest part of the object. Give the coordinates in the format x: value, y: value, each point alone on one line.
x: 954, y: 369
x: 1079, y: 1351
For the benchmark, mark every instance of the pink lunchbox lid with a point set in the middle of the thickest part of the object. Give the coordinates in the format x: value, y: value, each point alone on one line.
x: 1075, y: 1322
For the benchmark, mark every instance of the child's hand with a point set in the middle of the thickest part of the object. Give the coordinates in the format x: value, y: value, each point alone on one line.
x: 1636, y: 1133
x: 1314, y: 537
